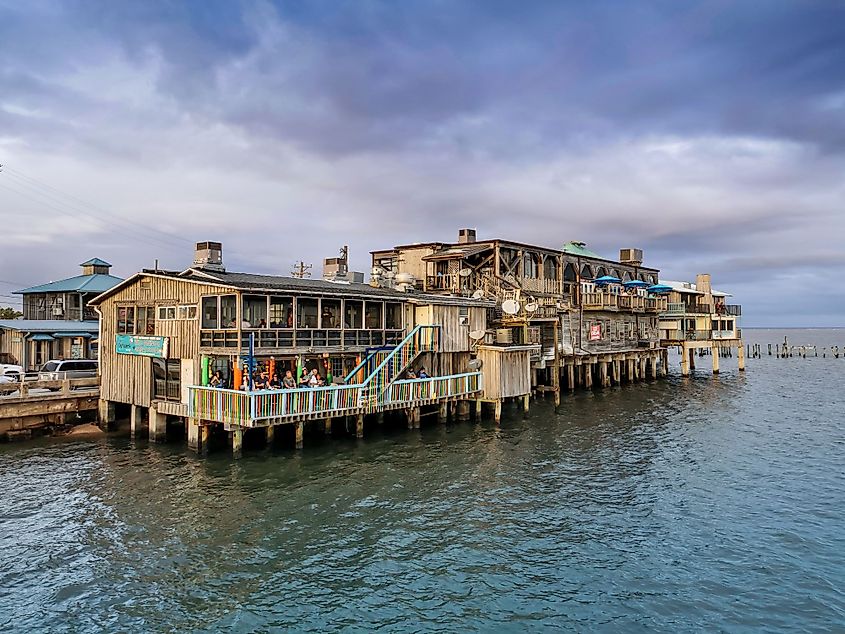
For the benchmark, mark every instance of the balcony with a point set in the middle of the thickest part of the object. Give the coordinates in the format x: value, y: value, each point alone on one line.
x: 274, y: 339
x: 264, y: 407
x: 685, y: 335
x: 597, y: 300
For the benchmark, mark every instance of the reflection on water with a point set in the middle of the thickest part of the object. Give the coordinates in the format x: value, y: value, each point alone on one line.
x: 707, y: 503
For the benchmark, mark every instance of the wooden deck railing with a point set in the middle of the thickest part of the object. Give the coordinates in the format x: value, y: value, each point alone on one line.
x: 434, y: 388
x: 247, y: 409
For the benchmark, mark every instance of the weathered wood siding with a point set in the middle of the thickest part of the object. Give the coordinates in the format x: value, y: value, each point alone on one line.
x: 128, y: 378
x: 507, y: 371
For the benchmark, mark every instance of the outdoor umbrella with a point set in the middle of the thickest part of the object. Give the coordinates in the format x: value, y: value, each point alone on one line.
x: 657, y: 289
x: 635, y: 284
x: 607, y: 279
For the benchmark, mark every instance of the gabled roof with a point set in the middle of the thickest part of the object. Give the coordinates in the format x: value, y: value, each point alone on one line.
x: 50, y: 325
x: 459, y: 251
x: 97, y: 283
x: 95, y: 262
x: 580, y: 249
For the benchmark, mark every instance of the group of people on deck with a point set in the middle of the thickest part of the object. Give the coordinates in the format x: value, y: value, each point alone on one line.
x: 261, y: 380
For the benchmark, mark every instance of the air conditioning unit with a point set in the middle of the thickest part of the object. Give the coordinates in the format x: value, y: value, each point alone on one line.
x: 504, y: 336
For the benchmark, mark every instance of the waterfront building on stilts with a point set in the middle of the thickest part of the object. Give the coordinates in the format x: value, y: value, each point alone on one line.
x: 698, y: 319
x: 592, y: 320
x: 199, y: 346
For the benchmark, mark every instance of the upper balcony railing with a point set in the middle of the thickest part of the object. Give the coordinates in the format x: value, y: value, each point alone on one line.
x: 273, y: 338
x: 681, y: 308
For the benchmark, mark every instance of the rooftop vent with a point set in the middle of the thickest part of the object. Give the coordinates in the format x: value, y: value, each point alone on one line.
x: 466, y: 236
x: 634, y: 257
x: 209, y: 256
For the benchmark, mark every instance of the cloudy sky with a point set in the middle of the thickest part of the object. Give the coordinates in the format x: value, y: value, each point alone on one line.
x: 710, y: 134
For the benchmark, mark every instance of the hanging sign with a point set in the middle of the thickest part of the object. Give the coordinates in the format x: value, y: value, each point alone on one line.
x: 141, y: 346
x: 595, y: 332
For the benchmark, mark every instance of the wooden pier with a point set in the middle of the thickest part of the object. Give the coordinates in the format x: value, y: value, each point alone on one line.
x: 40, y: 405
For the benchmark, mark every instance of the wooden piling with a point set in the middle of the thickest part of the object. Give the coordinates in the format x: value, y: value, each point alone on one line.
x: 300, y: 434
x: 359, y: 426
x: 237, y: 442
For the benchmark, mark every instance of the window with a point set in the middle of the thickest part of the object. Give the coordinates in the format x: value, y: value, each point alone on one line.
x: 186, y: 312
x: 600, y: 272
x: 330, y: 313
x: 254, y: 311
x: 228, y: 311
x: 586, y: 272
x: 210, y: 308
x: 373, y: 316
x: 146, y: 320
x: 353, y: 314
x: 166, y: 313
x: 281, y: 312
x: 306, y: 313
x: 393, y: 316
x: 550, y: 268
x: 126, y: 320
x: 167, y: 379
x: 530, y: 266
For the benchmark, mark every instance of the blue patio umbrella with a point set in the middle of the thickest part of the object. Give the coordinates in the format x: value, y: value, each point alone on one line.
x: 607, y: 279
x: 659, y: 289
x: 635, y: 284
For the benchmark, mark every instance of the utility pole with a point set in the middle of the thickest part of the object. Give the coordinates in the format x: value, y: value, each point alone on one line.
x: 301, y: 270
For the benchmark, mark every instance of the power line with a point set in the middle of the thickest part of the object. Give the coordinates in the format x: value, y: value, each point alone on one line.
x: 77, y: 213
x: 86, y: 207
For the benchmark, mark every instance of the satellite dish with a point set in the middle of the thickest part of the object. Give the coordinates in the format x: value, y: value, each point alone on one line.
x: 477, y: 334
x: 475, y: 365
x: 531, y: 307
x: 510, y: 306
x: 465, y: 272
x: 478, y: 294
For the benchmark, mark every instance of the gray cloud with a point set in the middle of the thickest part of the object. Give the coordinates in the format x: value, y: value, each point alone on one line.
x: 711, y: 134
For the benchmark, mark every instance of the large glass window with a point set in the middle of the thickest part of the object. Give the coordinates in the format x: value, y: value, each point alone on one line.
x: 255, y: 311
x: 373, y: 317
x: 210, y: 307
x: 281, y: 312
x: 393, y: 316
x: 146, y: 320
x: 353, y: 314
x: 228, y: 311
x: 126, y: 320
x: 586, y: 272
x: 306, y: 312
x: 167, y: 379
x: 330, y: 313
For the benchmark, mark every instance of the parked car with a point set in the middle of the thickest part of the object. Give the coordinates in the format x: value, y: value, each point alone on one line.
x: 10, y: 373
x: 70, y: 369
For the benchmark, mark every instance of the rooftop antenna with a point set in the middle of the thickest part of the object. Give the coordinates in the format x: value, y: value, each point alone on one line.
x: 301, y: 270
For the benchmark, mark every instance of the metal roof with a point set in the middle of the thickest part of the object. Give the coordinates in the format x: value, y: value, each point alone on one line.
x: 689, y: 287
x: 50, y: 326
x: 95, y: 262
x: 97, y: 283
x: 579, y: 249
x: 460, y: 251
x: 278, y: 283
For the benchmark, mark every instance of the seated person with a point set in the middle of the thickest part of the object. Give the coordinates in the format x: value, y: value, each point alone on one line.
x: 262, y: 323
x: 313, y: 378
x: 305, y: 380
x: 410, y: 374
x: 423, y: 374
x: 288, y: 382
x: 216, y: 379
x: 321, y: 382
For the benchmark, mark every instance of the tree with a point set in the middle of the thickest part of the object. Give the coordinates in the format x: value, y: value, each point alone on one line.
x: 10, y: 313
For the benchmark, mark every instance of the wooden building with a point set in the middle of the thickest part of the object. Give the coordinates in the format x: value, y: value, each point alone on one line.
x: 698, y: 318
x: 558, y: 298
x: 164, y: 333
x: 57, y: 321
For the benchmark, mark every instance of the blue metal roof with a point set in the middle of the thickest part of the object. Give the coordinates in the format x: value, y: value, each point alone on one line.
x: 95, y: 262
x: 97, y: 283
x: 50, y: 326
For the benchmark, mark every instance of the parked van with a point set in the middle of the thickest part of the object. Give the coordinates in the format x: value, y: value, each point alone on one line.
x: 69, y: 369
